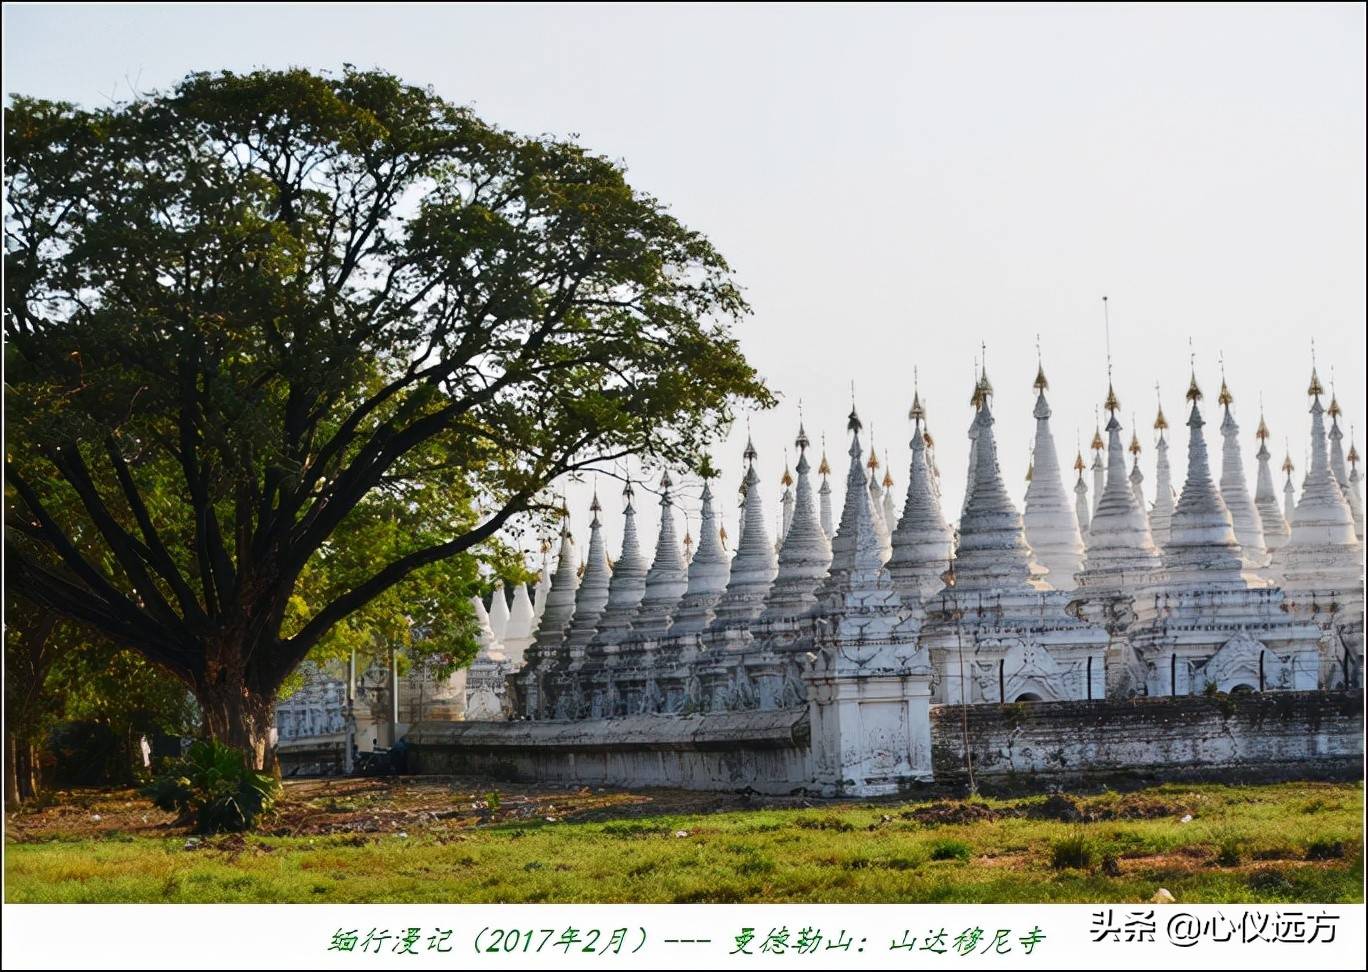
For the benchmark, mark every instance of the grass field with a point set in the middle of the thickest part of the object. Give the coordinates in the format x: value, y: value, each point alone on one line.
x: 439, y: 840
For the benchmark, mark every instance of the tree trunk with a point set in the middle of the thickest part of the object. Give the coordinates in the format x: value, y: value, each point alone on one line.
x: 243, y: 719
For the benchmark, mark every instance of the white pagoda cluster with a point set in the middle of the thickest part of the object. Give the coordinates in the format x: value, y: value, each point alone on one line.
x: 1104, y: 593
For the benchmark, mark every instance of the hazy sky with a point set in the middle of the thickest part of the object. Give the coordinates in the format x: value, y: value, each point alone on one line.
x: 894, y: 186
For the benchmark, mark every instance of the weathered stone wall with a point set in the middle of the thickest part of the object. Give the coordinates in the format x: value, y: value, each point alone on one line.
x: 766, y: 751
x: 1276, y: 733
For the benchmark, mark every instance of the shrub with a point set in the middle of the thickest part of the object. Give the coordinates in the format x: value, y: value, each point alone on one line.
x: 1074, y: 850
x: 950, y: 850
x: 213, y: 786
x: 1325, y: 850
x: 1229, y: 847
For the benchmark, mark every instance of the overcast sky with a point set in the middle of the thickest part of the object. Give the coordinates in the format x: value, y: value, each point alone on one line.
x: 896, y: 186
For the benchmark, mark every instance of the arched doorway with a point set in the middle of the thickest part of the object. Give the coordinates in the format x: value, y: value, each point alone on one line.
x: 1028, y: 697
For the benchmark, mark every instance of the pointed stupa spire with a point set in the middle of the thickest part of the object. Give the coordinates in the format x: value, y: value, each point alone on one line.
x: 1275, y: 528
x: 559, y: 602
x: 890, y: 512
x: 977, y: 401
x: 1244, y: 515
x: 1289, y: 490
x: 1120, y: 550
x: 786, y: 500
x: 1137, y: 478
x: 992, y: 552
x: 1202, y: 549
x: 876, y: 496
x: 668, y: 576
x: 857, y: 546
x: 922, y: 540
x: 1082, y: 509
x: 498, y: 612
x: 592, y: 596
x: 805, y: 553
x: 755, y: 564
x: 1337, y: 463
x: 708, y: 572
x: 1323, y: 553
x: 1162, y: 511
x: 1354, y: 494
x: 628, y: 583
x: 1051, y: 524
x: 824, y: 494
x: 1099, y: 466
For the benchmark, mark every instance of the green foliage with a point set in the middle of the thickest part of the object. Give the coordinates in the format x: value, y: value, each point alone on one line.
x: 285, y: 351
x: 213, y: 786
x: 1075, y: 850
x: 951, y: 850
x: 1230, y: 846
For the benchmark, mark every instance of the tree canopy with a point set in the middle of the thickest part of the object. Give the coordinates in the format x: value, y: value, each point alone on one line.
x: 280, y: 344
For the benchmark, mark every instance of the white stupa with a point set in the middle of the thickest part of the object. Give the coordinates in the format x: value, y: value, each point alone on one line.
x: 1243, y: 514
x: 1162, y: 508
x: 668, y: 577
x: 805, y: 554
x: 1275, y: 528
x: 1050, y: 522
x: 708, y: 572
x: 922, y: 542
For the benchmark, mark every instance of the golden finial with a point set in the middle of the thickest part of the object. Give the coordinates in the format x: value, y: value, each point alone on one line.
x: 1334, y: 410
x: 1194, y: 394
x: 722, y: 535
x: 1040, y: 384
x: 873, y: 462
x: 1353, y: 456
x: 1078, y: 462
x: 987, y: 385
x: 1287, y: 466
x: 1112, y: 403
x: 787, y: 478
x: 1316, y: 389
x: 888, y: 475
x: 1030, y: 459
x: 824, y: 467
x: 1134, y: 443
x: 976, y: 399
x: 1160, y: 422
x: 1097, y: 442
x: 1224, y: 398
x: 930, y: 442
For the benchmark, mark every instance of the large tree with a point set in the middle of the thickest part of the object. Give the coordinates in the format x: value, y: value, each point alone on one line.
x: 242, y: 313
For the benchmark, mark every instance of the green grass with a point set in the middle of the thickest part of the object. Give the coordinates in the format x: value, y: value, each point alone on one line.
x: 1290, y: 842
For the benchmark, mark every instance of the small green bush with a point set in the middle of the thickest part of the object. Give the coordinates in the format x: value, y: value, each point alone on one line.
x: 1075, y: 850
x: 950, y: 850
x: 213, y: 786
x: 1229, y: 849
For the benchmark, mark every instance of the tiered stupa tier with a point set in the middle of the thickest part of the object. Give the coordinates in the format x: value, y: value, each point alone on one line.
x: 1201, y: 623
x: 1235, y: 493
x: 805, y: 554
x: 754, y: 566
x: 627, y: 586
x: 668, y: 578
x: 882, y: 526
x: 1050, y: 521
x: 922, y: 541
x: 708, y: 572
x: 1120, y: 552
x: 592, y: 596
